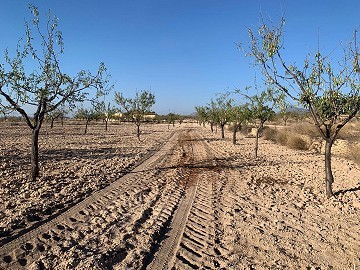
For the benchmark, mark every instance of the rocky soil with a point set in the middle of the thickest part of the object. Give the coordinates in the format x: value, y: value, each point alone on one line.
x: 197, y: 203
x: 72, y: 166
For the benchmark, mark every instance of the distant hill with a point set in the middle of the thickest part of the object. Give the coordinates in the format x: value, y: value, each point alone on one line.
x: 295, y: 109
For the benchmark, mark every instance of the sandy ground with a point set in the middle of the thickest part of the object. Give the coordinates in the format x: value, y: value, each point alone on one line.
x: 198, y: 203
x: 72, y: 166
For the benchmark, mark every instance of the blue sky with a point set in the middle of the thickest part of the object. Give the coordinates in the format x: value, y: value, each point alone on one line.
x: 184, y: 51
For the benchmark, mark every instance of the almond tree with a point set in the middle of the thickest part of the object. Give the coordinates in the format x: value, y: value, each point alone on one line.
x: 328, y: 89
x: 136, y: 107
x: 223, y: 106
x: 171, y: 118
x: 201, y: 114
x: 239, y: 115
x: 47, y: 87
x: 212, y: 114
x: 106, y: 112
x: 88, y: 115
x: 55, y: 114
x: 261, y: 108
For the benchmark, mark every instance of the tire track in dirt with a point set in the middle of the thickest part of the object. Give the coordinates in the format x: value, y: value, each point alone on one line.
x: 192, y: 240
x: 116, y: 203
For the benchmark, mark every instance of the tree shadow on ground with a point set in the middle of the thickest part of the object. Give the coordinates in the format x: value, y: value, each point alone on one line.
x: 93, y: 153
x: 344, y: 191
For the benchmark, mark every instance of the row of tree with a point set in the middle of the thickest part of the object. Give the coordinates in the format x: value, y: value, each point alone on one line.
x: 49, y: 91
x: 256, y: 109
x: 328, y: 89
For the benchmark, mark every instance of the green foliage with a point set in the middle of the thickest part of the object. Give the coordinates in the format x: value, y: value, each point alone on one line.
x: 105, y: 111
x: 329, y: 89
x: 201, y: 114
x: 261, y: 106
x: 47, y: 87
x: 222, y: 109
x: 87, y: 114
x: 240, y: 114
x: 136, y: 107
x: 172, y: 117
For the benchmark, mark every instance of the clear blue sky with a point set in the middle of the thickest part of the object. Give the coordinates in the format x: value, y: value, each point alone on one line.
x: 184, y: 51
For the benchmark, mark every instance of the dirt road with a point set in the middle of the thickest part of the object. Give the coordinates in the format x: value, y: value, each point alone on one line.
x: 199, y: 203
x: 161, y: 214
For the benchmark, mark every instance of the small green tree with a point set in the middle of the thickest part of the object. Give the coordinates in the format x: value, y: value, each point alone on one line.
x: 223, y: 105
x: 171, y: 118
x: 329, y: 89
x: 106, y: 112
x: 212, y: 114
x: 59, y: 113
x: 201, y: 115
x: 88, y: 115
x: 239, y: 116
x: 47, y: 87
x: 261, y: 107
x: 136, y: 107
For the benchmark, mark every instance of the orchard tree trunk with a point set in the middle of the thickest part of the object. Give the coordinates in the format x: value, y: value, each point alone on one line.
x: 106, y: 125
x: 86, y: 126
x: 52, y: 122
x: 212, y: 127
x: 236, y: 128
x: 329, y: 178
x: 257, y: 142
x: 222, y: 131
x: 34, y: 153
x: 258, y: 131
x: 138, y: 130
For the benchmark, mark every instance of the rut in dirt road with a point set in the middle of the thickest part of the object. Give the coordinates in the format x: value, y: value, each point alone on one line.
x: 192, y: 239
x: 161, y: 215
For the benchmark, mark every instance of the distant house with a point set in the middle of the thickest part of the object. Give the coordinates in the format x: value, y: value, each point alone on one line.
x: 149, y: 116
x: 116, y: 116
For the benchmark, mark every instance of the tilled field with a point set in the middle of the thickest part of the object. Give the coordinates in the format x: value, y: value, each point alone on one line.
x: 197, y: 202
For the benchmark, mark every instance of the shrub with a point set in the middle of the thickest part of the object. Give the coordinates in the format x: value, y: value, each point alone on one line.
x: 270, y: 134
x: 296, y: 142
x: 307, y: 129
x: 354, y: 152
x: 288, y: 139
x: 281, y: 138
x: 245, y: 130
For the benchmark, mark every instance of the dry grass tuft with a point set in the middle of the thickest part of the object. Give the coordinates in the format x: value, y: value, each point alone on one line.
x: 354, y: 152
x: 286, y: 138
x: 296, y: 142
x: 305, y: 128
x: 270, y: 134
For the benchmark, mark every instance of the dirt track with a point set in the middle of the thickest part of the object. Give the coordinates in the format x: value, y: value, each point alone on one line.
x: 201, y: 203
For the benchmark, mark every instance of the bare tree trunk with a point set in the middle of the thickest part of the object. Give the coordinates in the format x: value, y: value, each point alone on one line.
x: 257, y: 142
x: 138, y: 131
x: 86, y: 126
x: 52, y: 122
x: 106, y: 125
x: 234, y: 133
x: 34, y: 153
x: 222, y: 131
x: 212, y: 127
x: 329, y: 178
